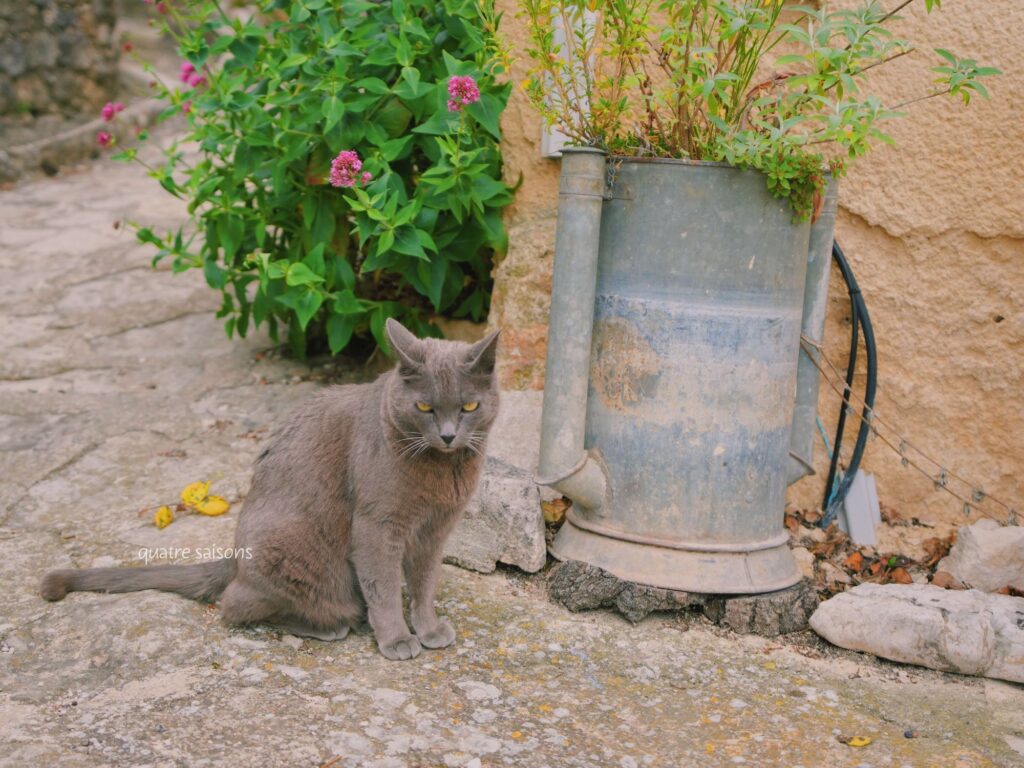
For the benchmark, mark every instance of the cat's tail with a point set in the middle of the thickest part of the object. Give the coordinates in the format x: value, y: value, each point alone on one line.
x: 200, y: 581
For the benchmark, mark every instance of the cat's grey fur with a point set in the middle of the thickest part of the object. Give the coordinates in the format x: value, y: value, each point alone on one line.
x: 356, y: 487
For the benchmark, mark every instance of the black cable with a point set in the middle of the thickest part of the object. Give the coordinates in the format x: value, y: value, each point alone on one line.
x: 851, y: 367
x: 859, y: 317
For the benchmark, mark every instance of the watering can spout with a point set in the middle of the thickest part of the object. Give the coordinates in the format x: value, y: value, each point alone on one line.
x: 564, y: 464
x: 586, y: 484
x: 812, y: 326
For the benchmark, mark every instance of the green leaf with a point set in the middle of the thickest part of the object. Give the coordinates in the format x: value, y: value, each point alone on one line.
x: 332, y: 110
x: 294, y: 60
x: 377, y: 319
x: 300, y: 274
x: 393, y: 117
x: 346, y: 303
x: 395, y: 148
x: 305, y: 301
x: 230, y: 231
x: 386, y: 241
x: 439, y: 124
x: 485, y: 188
x: 339, y: 331
x: 215, y: 276
x: 372, y: 85
x: 408, y: 243
x: 457, y: 67
x: 438, y: 270
x: 487, y: 112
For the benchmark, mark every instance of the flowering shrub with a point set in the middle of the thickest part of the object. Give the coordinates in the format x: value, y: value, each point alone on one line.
x: 764, y: 84
x: 347, y: 168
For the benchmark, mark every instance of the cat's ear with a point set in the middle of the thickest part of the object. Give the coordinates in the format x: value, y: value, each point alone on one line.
x: 481, y: 356
x: 406, y: 346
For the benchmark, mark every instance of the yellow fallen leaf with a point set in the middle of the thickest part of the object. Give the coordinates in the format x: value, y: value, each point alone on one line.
x: 212, y: 506
x: 859, y: 741
x: 710, y: 748
x: 544, y: 708
x: 517, y: 734
x: 195, y: 493
x: 163, y: 517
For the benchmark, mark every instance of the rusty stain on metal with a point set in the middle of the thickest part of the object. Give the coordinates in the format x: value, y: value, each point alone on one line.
x: 627, y: 368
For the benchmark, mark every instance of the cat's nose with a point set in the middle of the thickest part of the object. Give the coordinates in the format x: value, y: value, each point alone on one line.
x: 447, y: 438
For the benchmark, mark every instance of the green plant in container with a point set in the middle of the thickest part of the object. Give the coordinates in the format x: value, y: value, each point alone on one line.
x: 759, y: 84
x: 341, y: 165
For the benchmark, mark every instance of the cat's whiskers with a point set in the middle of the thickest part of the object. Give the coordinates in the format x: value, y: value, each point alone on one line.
x: 476, y: 441
x: 416, y: 444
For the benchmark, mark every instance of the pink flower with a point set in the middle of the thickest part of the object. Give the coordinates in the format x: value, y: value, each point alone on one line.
x: 110, y: 110
x: 196, y: 79
x: 104, y: 139
x: 345, y: 170
x: 186, y: 106
x: 463, y: 91
x: 161, y: 7
x: 187, y: 70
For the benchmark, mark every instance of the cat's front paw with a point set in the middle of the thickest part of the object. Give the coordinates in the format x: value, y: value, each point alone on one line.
x: 401, y: 648
x: 441, y: 635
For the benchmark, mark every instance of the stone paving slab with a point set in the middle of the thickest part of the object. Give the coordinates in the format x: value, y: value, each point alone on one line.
x: 117, y: 388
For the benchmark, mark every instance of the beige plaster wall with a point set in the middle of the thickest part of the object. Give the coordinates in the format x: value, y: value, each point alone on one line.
x: 934, y: 230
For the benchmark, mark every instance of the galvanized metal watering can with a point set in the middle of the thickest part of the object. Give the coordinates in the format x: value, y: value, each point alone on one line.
x: 677, y: 402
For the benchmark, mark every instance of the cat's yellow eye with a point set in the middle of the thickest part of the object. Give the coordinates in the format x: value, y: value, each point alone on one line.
x: 423, y: 408
x: 470, y: 407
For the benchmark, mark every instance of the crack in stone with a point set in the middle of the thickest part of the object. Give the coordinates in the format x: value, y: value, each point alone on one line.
x: 151, y: 324
x: 105, y: 275
x: 9, y: 511
x: 58, y: 372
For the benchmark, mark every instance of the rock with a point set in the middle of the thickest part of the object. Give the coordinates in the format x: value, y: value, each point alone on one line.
x: 834, y: 574
x: 768, y: 615
x: 502, y: 523
x: 515, y: 436
x: 580, y: 587
x: 805, y: 561
x: 987, y: 556
x: 969, y: 632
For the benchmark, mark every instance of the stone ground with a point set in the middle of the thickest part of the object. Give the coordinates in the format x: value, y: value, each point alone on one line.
x: 118, y: 387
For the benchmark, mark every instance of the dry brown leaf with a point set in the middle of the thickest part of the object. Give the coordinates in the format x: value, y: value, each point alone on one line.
x: 936, y: 549
x: 791, y: 523
x: 900, y: 576
x: 891, y: 516
x: 943, y: 579
x: 854, y: 562
x: 554, y: 511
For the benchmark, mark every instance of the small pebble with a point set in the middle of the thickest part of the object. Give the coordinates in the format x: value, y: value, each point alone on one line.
x: 910, y: 733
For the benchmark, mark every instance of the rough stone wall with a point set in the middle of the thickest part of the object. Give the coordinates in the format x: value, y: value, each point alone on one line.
x: 934, y: 230
x: 56, y: 56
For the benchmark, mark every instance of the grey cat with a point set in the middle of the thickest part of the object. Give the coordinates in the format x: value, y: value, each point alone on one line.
x: 359, y: 484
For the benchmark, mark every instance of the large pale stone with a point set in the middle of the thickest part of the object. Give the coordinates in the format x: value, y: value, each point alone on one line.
x: 987, y: 556
x: 502, y: 523
x: 969, y: 632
